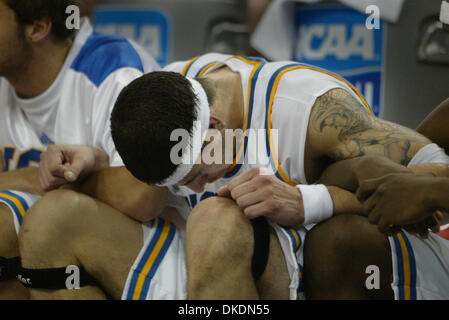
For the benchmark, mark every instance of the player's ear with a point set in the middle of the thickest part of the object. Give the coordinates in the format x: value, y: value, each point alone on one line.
x: 39, y: 30
x: 216, y: 123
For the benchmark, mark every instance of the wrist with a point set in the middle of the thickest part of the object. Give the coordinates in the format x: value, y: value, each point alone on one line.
x: 101, y: 160
x: 317, y: 203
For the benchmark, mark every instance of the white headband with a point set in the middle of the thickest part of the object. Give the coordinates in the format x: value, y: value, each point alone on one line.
x: 444, y: 13
x: 192, y: 149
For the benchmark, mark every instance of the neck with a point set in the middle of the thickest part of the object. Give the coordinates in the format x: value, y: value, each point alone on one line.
x: 41, y: 70
x: 230, y: 103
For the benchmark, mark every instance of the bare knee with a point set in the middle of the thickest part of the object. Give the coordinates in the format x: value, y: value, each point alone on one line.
x: 218, y: 217
x: 218, y: 237
x: 345, y: 234
x: 51, y: 225
x: 344, y: 245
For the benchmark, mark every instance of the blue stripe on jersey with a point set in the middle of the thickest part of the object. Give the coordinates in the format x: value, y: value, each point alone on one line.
x: 157, y: 262
x: 15, y: 195
x: 103, y: 54
x: 249, y: 116
x: 400, y: 267
x: 411, y: 255
x: 268, y: 95
x: 5, y: 196
x: 144, y: 259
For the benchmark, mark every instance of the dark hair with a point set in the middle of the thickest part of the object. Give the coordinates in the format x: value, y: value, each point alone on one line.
x: 28, y: 11
x: 145, y: 114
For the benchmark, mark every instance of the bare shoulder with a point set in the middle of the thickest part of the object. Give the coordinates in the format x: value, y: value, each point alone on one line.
x: 343, y: 128
x: 435, y: 127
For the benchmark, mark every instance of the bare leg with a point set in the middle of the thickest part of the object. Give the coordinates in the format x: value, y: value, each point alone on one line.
x: 336, y: 255
x: 9, y: 248
x: 67, y: 228
x: 219, y: 247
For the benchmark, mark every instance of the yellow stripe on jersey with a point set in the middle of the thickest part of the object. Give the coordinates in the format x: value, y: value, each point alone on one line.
x: 205, y: 69
x: 297, y: 240
x: 406, y: 268
x: 186, y: 68
x: 16, y: 202
x: 256, y: 65
x: 270, y: 109
x: 150, y: 262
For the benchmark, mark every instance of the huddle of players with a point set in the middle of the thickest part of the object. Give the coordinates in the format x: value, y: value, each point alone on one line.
x: 67, y: 108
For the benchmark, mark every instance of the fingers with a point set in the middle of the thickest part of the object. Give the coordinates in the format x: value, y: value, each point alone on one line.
x: 234, y: 183
x: 367, y: 188
x: 259, y: 209
x: 247, y: 176
x: 370, y: 210
x: 74, y: 169
x: 52, y: 168
x: 224, y: 192
x: 433, y: 223
x: 385, y: 226
x: 251, y: 198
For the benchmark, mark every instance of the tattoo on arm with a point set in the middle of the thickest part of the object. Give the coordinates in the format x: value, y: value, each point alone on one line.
x: 359, y: 133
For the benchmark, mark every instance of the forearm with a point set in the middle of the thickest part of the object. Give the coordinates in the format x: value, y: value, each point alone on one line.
x: 26, y: 180
x: 436, y: 169
x: 119, y: 189
x: 345, y: 202
x: 341, y: 174
x: 318, y: 203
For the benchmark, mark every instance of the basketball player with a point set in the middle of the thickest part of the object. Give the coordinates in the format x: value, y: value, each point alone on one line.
x: 400, y: 199
x: 57, y: 85
x: 319, y: 119
x: 424, y: 194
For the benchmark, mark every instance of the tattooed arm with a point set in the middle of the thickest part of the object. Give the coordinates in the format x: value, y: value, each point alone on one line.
x: 341, y: 128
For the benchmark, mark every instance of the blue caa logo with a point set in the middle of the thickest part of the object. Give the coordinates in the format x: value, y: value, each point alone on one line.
x: 319, y: 41
x: 337, y: 39
x: 149, y: 28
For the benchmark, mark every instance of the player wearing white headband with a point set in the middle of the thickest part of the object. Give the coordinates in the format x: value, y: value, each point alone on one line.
x: 319, y: 119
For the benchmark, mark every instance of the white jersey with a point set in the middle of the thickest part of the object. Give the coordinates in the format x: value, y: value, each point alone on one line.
x: 76, y: 108
x: 278, y: 98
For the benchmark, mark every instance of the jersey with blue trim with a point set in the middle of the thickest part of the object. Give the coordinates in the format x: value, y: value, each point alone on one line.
x: 278, y: 99
x: 77, y: 106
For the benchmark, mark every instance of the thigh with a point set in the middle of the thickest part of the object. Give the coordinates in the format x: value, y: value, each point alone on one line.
x: 108, y: 244
x: 68, y: 228
x: 9, y: 247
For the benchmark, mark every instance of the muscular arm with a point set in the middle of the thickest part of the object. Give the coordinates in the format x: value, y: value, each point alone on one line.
x: 435, y: 125
x: 341, y: 128
x: 26, y: 180
x: 88, y: 168
x: 119, y: 189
